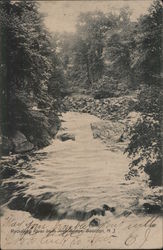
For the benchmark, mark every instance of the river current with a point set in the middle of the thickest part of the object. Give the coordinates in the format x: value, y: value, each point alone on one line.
x: 66, y: 186
x: 80, y: 175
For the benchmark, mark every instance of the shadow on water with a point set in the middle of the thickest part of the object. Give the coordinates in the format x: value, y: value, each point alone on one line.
x: 40, y: 207
x: 11, y: 173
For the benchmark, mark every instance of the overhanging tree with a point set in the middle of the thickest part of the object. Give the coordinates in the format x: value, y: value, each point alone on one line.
x: 28, y: 62
x: 145, y: 147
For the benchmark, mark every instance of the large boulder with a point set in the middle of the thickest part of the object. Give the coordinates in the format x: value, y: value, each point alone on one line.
x: 20, y: 143
x: 66, y: 136
x: 109, y: 132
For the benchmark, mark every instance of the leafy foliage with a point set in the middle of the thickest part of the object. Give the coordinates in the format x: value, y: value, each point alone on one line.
x: 147, y: 56
x: 29, y: 64
x: 145, y: 147
x: 101, y: 48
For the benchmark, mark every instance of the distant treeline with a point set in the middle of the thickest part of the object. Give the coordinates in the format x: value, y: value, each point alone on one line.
x: 109, y: 51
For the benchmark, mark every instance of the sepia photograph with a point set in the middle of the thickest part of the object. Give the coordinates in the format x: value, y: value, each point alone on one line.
x: 81, y: 124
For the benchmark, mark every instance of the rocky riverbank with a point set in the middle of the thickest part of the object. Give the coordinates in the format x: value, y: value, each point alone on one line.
x: 50, y: 183
x: 114, y: 113
x: 75, y: 181
x: 35, y: 130
x: 110, y: 133
x: 37, y: 126
x: 26, y: 166
x: 115, y: 108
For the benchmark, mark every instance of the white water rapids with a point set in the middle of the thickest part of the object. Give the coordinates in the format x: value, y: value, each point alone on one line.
x: 82, y: 174
x: 79, y: 175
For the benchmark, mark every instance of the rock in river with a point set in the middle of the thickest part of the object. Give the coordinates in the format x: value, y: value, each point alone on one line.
x: 95, y: 222
x: 66, y: 136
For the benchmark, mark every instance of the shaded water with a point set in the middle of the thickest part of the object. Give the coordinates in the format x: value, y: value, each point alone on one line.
x: 79, y: 175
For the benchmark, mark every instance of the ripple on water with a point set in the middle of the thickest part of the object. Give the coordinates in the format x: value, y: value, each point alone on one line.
x: 78, y: 176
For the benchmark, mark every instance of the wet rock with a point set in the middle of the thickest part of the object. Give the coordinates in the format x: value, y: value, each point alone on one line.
x: 44, y: 209
x: 112, y: 209
x: 81, y: 215
x: 109, y: 133
x: 30, y: 204
x: 7, y: 172
x: 38, y: 208
x: 24, y: 147
x: 53, y: 131
x: 94, y: 223
x: 66, y: 136
x: 20, y: 143
x: 18, y: 202
x: 45, y: 196
x: 98, y: 211
x: 151, y: 208
x: 106, y: 207
x: 25, y: 158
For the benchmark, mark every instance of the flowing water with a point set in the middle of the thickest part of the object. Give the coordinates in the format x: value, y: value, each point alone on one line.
x: 79, y: 175
x: 68, y: 180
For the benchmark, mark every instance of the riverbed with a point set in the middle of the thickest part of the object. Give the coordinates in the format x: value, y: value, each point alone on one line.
x: 75, y: 177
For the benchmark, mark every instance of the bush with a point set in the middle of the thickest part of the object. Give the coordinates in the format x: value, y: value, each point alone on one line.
x: 145, y: 147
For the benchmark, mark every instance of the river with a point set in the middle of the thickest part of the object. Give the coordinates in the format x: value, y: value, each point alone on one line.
x: 79, y: 175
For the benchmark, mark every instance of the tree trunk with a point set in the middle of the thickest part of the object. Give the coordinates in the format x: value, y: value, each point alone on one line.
x: 88, y: 72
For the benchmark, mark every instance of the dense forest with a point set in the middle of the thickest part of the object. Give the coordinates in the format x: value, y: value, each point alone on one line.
x: 30, y: 73
x: 109, y: 56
